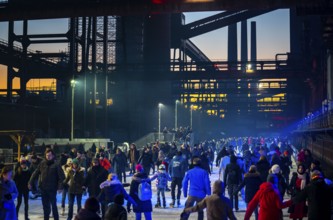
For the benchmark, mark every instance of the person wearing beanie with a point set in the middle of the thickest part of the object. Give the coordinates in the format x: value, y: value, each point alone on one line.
x: 143, y: 206
x: 218, y: 207
x: 21, y: 178
x: 318, y: 196
x: 162, y: 180
x: 89, y: 212
x: 299, y: 180
x: 252, y: 182
x: 75, y: 181
x: 281, y: 184
x: 8, y: 194
x: 199, y: 186
x: 270, y: 201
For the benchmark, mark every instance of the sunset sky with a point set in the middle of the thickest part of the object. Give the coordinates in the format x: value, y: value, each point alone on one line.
x: 272, y: 38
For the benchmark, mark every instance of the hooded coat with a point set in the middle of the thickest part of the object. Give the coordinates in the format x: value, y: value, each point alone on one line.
x: 270, y: 203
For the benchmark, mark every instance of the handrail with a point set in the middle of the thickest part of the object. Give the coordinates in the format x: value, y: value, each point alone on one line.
x: 19, y: 49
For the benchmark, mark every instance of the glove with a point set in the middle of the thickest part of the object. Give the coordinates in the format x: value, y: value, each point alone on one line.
x: 8, y: 196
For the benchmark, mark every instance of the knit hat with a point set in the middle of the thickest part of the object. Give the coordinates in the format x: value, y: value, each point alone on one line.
x: 75, y: 161
x: 275, y: 169
x: 69, y: 160
x: 138, y: 167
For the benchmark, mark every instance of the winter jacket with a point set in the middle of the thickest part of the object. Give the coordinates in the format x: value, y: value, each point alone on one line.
x: 119, y: 162
x: 85, y: 214
x: 51, y: 176
x: 199, y: 183
x: 252, y: 182
x: 75, y: 180
x: 232, y: 174
x: 111, y: 188
x: 292, y: 186
x: 146, y: 159
x: 162, y: 179
x: 95, y: 176
x: 282, y: 185
x: 263, y: 167
x: 319, y: 196
x: 21, y: 179
x: 115, y: 212
x: 105, y: 163
x: 270, y: 203
x: 177, y: 167
x: 133, y: 155
x: 218, y: 206
x: 142, y: 206
x: 8, y: 193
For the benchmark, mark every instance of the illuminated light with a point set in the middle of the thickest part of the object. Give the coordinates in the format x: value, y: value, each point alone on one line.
x: 198, y: 1
x: 160, y: 105
x: 109, y: 102
x: 249, y: 95
x: 273, y: 80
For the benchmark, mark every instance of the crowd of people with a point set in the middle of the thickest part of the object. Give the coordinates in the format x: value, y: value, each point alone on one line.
x: 257, y: 169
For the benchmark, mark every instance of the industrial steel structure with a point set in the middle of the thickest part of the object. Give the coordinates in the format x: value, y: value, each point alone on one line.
x: 126, y: 65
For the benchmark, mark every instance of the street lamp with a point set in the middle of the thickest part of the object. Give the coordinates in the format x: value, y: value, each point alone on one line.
x: 191, y: 111
x: 159, y: 120
x: 176, y: 114
x: 73, y: 82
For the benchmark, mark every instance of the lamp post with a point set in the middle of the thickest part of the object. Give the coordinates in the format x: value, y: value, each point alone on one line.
x: 72, y: 110
x: 159, y: 120
x: 176, y: 114
x: 191, y: 111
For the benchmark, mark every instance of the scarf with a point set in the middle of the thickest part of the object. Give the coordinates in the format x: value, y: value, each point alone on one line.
x: 303, y: 178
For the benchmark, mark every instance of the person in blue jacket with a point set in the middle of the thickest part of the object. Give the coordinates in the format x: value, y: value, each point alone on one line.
x: 198, y: 189
x: 177, y: 169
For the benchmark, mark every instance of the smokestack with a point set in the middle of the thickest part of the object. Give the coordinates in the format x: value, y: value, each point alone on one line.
x: 244, y: 44
x: 253, y: 44
x: 232, y: 46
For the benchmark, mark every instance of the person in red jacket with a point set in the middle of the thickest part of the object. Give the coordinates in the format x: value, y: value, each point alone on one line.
x: 270, y: 202
x: 104, y: 162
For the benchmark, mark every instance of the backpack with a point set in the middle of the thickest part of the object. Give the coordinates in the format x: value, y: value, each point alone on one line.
x: 144, y: 191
